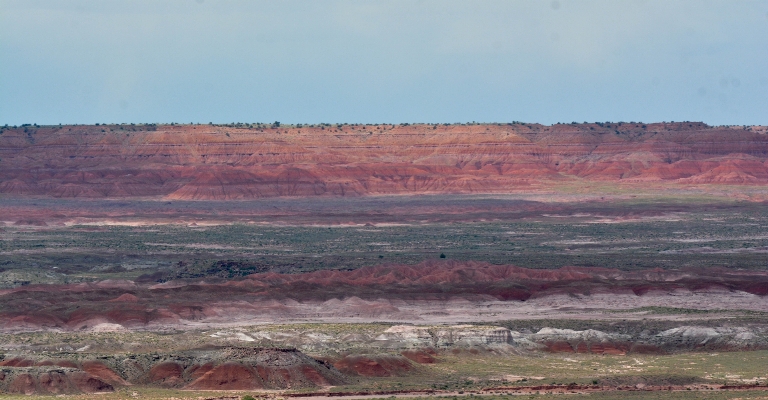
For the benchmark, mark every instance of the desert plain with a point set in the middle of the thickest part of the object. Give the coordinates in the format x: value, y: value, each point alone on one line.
x: 604, y: 260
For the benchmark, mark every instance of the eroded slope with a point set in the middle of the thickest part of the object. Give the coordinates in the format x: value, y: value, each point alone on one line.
x: 431, y: 292
x: 203, y: 162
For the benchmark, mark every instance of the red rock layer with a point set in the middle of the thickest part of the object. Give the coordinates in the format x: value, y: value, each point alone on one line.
x: 103, y: 372
x: 217, y: 162
x: 87, y: 306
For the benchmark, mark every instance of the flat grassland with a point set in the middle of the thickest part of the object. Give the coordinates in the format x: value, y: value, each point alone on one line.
x: 625, y: 234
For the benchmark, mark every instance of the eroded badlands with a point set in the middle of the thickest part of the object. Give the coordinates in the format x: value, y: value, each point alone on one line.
x: 431, y: 292
x: 246, y: 161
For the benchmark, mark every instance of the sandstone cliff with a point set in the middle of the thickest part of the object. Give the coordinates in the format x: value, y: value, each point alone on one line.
x: 205, y: 162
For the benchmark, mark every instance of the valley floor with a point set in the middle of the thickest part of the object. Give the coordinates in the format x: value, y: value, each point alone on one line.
x: 608, y: 296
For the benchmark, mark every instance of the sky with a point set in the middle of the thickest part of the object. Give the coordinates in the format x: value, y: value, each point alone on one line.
x: 389, y: 61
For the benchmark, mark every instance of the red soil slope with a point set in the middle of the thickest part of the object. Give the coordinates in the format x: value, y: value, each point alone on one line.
x: 363, y: 365
x: 204, y: 162
x: 43, y: 380
x: 231, y: 369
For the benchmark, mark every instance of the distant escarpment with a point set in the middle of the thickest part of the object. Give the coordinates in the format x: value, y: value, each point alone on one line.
x: 206, y: 162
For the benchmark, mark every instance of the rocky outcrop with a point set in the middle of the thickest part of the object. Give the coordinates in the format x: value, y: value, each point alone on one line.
x: 703, y: 338
x: 447, y: 336
x: 391, y: 352
x: 251, y: 161
x: 588, y: 341
x: 214, y: 369
x: 682, y: 338
x: 232, y: 369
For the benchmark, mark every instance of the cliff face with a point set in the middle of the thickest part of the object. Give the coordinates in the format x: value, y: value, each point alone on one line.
x: 239, y: 162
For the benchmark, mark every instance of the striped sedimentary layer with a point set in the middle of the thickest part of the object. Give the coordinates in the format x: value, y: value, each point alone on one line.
x: 203, y: 162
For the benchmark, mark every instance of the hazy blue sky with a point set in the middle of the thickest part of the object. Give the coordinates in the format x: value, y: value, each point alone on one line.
x: 383, y: 61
